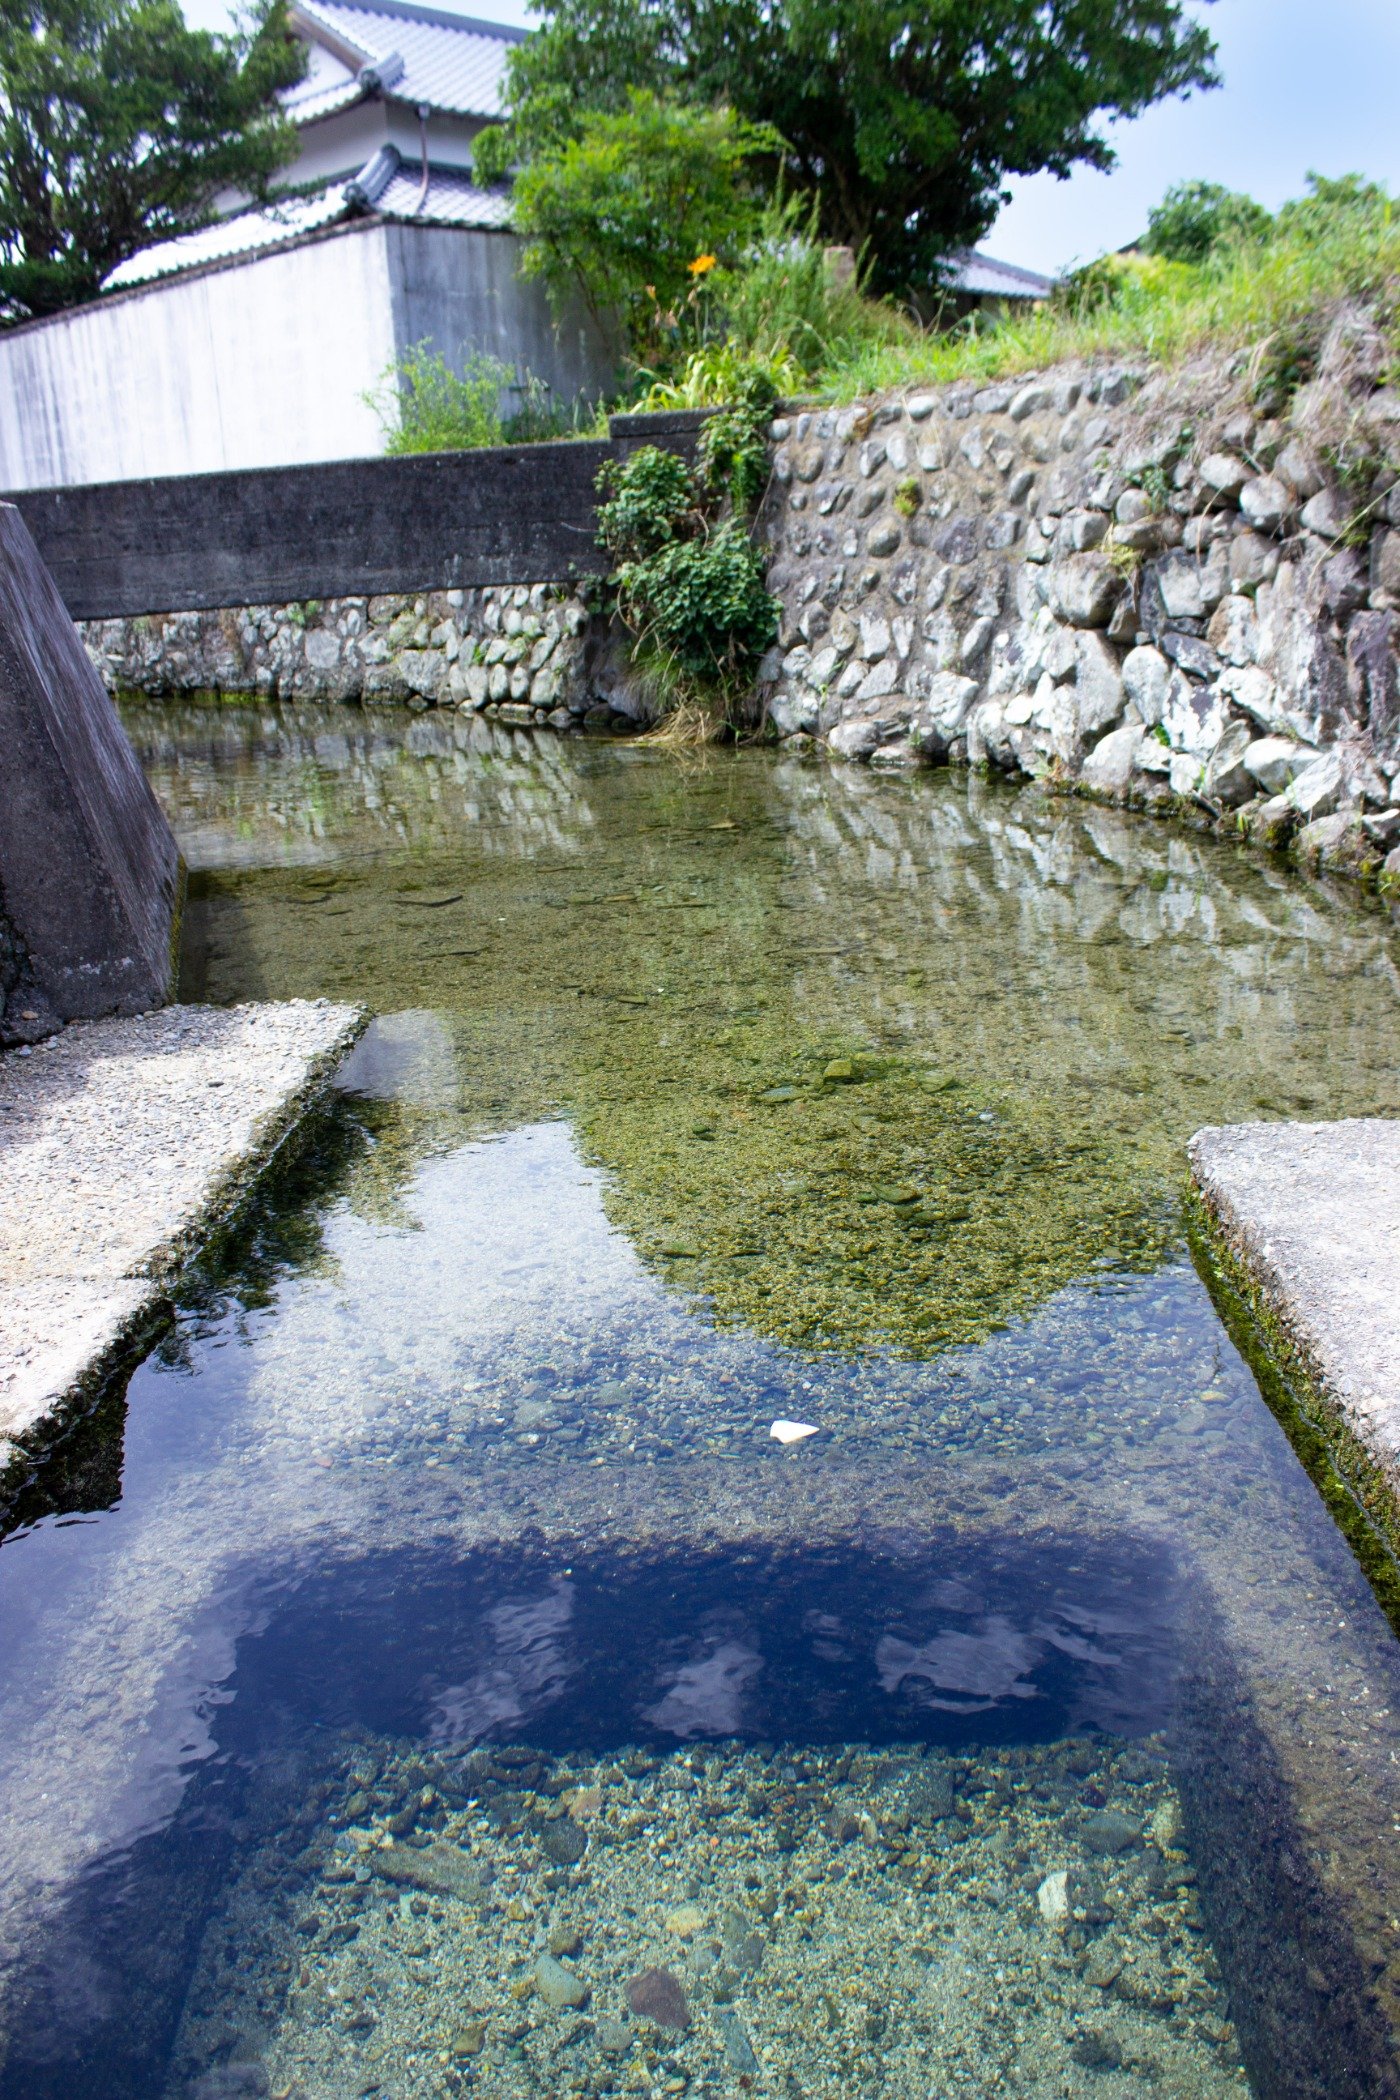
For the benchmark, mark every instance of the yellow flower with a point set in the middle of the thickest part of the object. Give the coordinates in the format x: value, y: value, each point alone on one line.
x: 701, y: 264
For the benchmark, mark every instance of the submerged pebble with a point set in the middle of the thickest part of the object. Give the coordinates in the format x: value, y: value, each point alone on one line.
x: 558, y: 1985
x: 850, y: 1919
x: 657, y: 1995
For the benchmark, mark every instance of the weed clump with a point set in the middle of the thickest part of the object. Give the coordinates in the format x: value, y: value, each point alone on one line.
x: 688, y: 580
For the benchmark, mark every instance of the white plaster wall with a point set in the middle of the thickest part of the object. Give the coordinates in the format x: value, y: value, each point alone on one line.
x: 263, y: 363
x: 338, y: 146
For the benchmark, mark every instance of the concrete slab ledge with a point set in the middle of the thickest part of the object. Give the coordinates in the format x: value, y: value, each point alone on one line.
x: 1309, y: 1218
x: 123, y: 1143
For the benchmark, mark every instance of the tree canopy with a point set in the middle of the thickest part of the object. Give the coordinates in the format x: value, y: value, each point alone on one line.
x: 1195, y: 219
x: 637, y: 209
x: 119, y: 126
x: 902, y: 118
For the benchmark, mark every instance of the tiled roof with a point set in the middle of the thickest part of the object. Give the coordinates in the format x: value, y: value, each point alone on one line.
x: 245, y: 234
x: 391, y: 188
x: 452, y: 200
x: 329, y: 84
x: 419, y: 54
x: 984, y: 277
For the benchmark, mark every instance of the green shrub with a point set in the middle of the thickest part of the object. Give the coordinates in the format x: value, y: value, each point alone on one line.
x: 715, y: 374
x: 1123, y: 283
x: 425, y: 406
x: 688, y: 579
x: 1195, y: 219
x: 638, y: 209
x: 732, y: 455
x: 702, y: 606
x: 653, y: 500
x: 1348, y: 209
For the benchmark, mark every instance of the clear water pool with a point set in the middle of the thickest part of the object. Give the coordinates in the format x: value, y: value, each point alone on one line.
x: 430, y: 1676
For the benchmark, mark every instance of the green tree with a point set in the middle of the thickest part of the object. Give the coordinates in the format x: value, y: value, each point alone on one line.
x: 1195, y: 219
x: 1345, y: 207
x: 637, y: 208
x: 119, y: 127
x: 901, y: 118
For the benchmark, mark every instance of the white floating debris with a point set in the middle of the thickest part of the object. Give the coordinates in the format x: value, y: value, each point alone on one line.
x: 792, y: 1432
x: 1053, y: 1897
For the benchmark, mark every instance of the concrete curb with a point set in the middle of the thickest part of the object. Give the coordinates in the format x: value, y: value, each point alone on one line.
x: 1307, y: 1217
x: 123, y: 1146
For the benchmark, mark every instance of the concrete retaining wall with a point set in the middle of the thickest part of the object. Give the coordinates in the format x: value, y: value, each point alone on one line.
x: 88, y: 866
x: 508, y: 514
x: 448, y: 520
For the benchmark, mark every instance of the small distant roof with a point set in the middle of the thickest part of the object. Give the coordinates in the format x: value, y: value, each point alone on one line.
x: 391, y: 191
x: 410, y: 54
x: 986, y: 278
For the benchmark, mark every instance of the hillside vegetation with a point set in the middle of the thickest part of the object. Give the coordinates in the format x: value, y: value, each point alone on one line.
x: 1263, y: 283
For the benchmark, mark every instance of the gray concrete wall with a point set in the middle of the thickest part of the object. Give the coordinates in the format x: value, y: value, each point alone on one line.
x: 520, y: 514
x: 88, y: 867
x: 514, y: 514
x: 459, y: 290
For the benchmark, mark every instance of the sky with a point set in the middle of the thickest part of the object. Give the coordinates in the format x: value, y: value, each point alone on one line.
x: 1308, y: 84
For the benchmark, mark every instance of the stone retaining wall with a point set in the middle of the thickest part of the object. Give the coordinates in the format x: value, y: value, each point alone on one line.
x: 528, y: 655
x: 1162, y: 588
x: 1142, y: 584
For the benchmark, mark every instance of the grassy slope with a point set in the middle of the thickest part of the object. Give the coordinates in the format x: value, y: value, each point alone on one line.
x: 1273, y: 291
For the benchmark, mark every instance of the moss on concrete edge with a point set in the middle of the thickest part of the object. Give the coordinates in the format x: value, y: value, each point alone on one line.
x: 1359, y: 1491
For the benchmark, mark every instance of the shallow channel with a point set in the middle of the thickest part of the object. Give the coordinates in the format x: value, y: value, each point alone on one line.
x: 430, y: 1676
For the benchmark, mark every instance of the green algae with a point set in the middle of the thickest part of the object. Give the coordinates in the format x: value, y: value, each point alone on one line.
x: 1358, y: 1495
x: 891, y: 1061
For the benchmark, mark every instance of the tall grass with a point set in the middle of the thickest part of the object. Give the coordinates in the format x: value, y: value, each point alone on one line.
x: 1342, y: 242
x: 781, y: 311
x: 423, y: 405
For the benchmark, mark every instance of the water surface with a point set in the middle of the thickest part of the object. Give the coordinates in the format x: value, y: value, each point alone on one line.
x: 438, y: 1595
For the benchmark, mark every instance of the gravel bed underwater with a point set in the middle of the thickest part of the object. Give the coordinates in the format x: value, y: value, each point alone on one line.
x: 717, y: 1920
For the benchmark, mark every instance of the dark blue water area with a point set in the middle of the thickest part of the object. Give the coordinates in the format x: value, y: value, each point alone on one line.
x: 938, y: 1652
